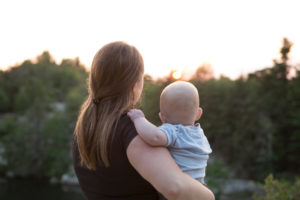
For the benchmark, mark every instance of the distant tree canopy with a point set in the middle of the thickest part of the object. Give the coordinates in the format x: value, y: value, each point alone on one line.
x: 39, y: 104
x: 252, y: 123
x: 203, y: 73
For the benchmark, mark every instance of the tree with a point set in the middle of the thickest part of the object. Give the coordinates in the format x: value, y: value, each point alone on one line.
x: 275, y: 189
x: 203, y: 73
x: 293, y: 147
x: 35, y: 135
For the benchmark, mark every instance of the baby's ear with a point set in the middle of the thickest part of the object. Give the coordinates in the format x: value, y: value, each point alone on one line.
x: 162, y: 118
x: 199, y: 113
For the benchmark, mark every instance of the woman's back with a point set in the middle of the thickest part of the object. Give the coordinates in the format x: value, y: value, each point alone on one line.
x: 120, y: 180
x: 113, y: 159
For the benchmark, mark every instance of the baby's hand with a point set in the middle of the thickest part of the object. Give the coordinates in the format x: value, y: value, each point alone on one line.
x: 135, y: 114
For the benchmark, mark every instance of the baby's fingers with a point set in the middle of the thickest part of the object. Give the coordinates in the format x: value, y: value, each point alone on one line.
x: 130, y: 113
x: 135, y: 113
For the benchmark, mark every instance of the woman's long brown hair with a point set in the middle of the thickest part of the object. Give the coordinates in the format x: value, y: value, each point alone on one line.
x: 116, y: 68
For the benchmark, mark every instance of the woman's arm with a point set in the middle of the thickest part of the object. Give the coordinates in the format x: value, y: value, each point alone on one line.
x: 150, y: 133
x: 156, y: 165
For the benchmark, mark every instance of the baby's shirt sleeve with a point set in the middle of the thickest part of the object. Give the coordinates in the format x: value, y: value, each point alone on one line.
x: 171, y: 133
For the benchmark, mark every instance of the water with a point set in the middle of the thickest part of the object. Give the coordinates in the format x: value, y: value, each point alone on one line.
x: 27, y: 189
x: 16, y: 189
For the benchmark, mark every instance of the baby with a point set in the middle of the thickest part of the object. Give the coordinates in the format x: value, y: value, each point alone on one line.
x: 179, y: 109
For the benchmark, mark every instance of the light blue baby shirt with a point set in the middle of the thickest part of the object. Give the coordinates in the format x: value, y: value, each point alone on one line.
x: 189, y: 147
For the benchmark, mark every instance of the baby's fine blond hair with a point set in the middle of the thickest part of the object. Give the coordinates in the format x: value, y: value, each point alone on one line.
x: 179, y: 103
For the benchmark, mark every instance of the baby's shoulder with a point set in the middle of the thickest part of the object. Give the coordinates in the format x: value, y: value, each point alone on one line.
x: 169, y: 128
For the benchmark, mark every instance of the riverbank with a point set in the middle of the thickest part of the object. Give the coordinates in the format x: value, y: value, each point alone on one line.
x: 28, y: 189
x: 67, y: 188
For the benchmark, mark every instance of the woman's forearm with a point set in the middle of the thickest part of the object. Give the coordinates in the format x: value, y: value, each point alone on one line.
x: 156, y: 165
x: 193, y: 190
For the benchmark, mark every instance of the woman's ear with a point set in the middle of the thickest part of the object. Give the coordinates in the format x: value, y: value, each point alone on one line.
x: 162, y: 118
x: 199, y: 113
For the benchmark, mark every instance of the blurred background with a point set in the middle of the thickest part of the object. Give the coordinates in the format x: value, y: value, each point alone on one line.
x: 243, y: 57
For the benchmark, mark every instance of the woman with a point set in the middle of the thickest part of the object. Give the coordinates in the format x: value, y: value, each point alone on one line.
x: 111, y: 161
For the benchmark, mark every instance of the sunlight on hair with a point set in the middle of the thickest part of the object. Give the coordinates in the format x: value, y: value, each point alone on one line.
x: 176, y: 75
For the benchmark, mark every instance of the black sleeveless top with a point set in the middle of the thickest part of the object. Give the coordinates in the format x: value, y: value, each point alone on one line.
x: 120, y: 180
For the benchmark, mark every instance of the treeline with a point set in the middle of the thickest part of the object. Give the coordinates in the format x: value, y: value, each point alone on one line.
x: 253, y: 123
x: 39, y: 103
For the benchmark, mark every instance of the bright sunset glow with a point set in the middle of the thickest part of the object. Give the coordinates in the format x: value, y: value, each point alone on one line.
x: 235, y: 37
x: 176, y: 75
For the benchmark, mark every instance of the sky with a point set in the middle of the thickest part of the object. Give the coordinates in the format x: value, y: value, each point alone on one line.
x: 235, y: 37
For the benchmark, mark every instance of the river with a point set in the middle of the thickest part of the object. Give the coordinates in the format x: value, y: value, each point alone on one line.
x: 26, y: 189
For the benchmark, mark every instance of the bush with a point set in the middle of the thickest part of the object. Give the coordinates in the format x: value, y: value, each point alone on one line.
x: 38, y: 144
x: 279, y: 190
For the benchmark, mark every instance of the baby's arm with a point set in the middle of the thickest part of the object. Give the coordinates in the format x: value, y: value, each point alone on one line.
x: 150, y: 133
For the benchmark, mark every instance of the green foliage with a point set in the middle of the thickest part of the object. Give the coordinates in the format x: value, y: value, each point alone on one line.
x: 216, y: 173
x: 7, y: 125
x: 44, y: 81
x: 39, y: 145
x: 279, y: 190
x: 217, y: 169
x: 150, y: 99
x: 23, y: 147
x: 294, y: 122
x: 74, y: 100
x: 56, y: 135
x: 4, y: 101
x: 39, y: 106
x: 252, y: 123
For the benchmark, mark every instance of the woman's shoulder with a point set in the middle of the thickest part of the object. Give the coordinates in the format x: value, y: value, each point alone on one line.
x: 124, y: 121
x: 125, y: 130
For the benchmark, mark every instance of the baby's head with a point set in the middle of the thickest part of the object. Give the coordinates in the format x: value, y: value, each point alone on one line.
x: 179, y: 104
